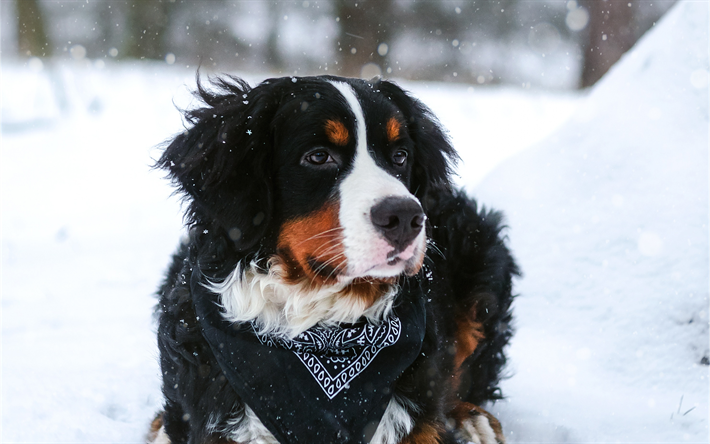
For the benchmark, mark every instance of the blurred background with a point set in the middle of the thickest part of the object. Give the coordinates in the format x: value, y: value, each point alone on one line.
x: 604, y: 188
x: 542, y: 43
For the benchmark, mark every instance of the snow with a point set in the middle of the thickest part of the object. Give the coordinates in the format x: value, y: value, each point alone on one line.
x: 609, y: 220
x: 86, y: 232
x: 604, y: 349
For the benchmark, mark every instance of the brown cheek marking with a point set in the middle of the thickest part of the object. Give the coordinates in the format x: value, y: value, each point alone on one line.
x: 393, y: 129
x: 316, y: 238
x: 424, y: 433
x: 336, y: 132
x: 294, y: 272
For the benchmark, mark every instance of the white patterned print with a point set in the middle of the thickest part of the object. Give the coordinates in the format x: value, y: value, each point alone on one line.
x: 336, y: 355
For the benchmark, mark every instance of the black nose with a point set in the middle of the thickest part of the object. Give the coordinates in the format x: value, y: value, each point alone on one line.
x: 399, y: 219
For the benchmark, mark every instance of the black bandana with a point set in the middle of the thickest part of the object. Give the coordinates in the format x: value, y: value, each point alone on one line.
x: 325, y: 385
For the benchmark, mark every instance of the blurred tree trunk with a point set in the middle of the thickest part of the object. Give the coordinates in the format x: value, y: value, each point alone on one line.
x: 610, y: 36
x: 31, y: 36
x: 146, y: 24
x: 364, y: 25
x: 273, y: 54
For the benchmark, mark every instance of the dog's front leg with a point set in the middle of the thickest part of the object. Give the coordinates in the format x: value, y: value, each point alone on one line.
x: 475, y: 425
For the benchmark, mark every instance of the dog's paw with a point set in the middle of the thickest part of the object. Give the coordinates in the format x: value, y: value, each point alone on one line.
x: 477, y: 430
x: 156, y: 434
x: 475, y: 425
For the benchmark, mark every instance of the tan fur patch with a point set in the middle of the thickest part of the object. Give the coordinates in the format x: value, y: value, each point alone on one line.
x: 157, y: 423
x: 393, y: 129
x: 312, y: 250
x: 155, y: 429
x: 313, y: 246
x: 369, y: 290
x: 424, y: 433
x: 336, y: 132
x: 468, y: 334
x: 465, y: 410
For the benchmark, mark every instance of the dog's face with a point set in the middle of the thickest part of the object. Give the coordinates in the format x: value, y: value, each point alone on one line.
x: 322, y: 174
x: 344, y: 190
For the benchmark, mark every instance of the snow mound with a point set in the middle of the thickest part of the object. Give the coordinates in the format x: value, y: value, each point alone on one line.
x: 609, y: 221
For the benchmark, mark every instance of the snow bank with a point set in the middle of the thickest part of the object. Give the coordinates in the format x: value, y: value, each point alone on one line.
x: 489, y: 124
x: 609, y: 220
x: 86, y: 230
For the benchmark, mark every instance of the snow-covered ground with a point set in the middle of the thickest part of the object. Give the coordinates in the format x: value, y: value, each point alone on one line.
x: 608, y: 216
x: 609, y: 219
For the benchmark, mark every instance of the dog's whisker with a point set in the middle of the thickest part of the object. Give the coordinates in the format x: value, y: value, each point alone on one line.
x: 326, y: 238
x: 323, y: 233
x: 330, y: 261
x: 335, y: 271
x: 330, y: 241
x: 329, y: 249
x: 436, y: 248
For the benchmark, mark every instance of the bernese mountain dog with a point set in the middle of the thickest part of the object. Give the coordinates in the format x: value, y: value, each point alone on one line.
x: 334, y: 287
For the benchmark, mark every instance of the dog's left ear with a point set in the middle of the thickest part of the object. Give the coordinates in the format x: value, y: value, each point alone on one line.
x: 434, y: 156
x: 221, y: 163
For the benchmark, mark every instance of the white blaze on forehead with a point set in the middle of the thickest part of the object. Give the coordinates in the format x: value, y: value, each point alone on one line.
x: 360, y: 128
x: 364, y: 186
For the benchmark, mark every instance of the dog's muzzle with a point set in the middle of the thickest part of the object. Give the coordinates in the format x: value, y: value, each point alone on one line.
x: 399, y: 220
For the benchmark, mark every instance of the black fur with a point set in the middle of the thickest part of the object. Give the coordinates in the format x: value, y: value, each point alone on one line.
x: 227, y: 166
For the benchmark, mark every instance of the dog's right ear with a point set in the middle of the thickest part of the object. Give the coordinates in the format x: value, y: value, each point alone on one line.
x: 221, y: 163
x: 434, y: 156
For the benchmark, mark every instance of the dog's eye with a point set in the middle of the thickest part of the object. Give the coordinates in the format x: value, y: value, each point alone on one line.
x: 319, y: 157
x: 399, y: 157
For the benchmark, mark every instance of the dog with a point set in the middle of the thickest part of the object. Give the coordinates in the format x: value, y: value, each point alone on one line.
x: 334, y: 286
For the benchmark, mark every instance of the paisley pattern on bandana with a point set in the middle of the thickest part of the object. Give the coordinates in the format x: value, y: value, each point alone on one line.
x: 335, y: 356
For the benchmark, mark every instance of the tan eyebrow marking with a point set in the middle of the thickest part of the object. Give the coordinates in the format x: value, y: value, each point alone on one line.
x: 393, y: 129
x: 336, y: 132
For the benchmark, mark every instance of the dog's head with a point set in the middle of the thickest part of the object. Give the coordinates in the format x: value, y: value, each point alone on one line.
x: 324, y: 174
